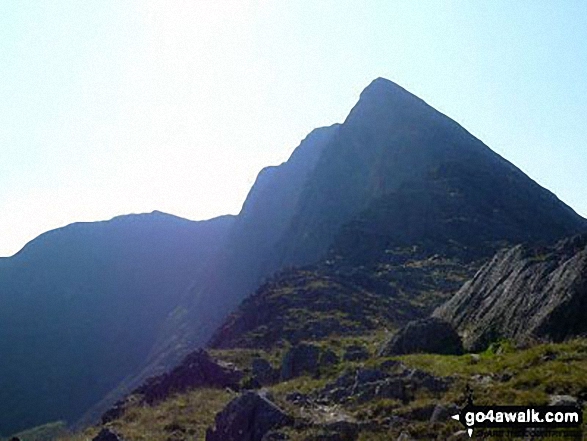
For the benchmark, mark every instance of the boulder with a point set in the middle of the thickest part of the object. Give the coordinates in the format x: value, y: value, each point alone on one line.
x: 562, y: 400
x: 419, y: 413
x: 420, y: 379
x: 368, y: 384
x: 249, y: 417
x: 263, y: 373
x: 442, y: 413
x: 198, y: 369
x: 300, y: 360
x: 430, y: 335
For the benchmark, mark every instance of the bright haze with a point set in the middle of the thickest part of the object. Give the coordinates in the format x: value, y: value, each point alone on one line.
x: 113, y: 107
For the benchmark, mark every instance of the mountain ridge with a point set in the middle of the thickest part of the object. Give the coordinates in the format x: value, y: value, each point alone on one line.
x: 379, y: 151
x: 371, y: 194
x: 66, y: 301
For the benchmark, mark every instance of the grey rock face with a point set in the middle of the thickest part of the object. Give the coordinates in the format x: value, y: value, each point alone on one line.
x: 248, y: 417
x: 430, y: 335
x: 523, y: 294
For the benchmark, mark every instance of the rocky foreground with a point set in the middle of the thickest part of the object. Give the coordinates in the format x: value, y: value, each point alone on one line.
x: 345, y: 390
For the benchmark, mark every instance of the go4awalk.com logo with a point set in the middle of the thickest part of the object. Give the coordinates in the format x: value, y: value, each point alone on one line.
x: 520, y: 418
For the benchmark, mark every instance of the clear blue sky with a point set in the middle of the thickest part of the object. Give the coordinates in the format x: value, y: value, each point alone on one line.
x: 111, y: 107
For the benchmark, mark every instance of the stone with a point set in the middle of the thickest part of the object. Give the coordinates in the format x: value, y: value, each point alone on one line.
x: 300, y: 360
x: 419, y: 379
x: 460, y: 435
x: 368, y: 384
x: 423, y: 413
x: 263, y: 373
x: 198, y: 369
x: 562, y: 400
x: 431, y: 335
x: 443, y: 412
x: 248, y: 417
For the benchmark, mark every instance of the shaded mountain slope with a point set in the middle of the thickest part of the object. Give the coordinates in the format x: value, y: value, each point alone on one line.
x: 396, y: 205
x: 408, y: 252
x: 323, y: 301
x: 392, y: 148
x: 81, y: 306
x: 237, y: 268
x: 244, y: 261
x: 524, y: 294
x: 392, y: 139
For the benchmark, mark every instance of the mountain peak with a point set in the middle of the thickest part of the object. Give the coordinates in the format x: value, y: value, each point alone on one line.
x: 383, y: 98
x: 384, y: 88
x: 381, y: 84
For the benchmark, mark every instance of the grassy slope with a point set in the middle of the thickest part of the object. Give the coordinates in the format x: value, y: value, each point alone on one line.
x: 531, y: 375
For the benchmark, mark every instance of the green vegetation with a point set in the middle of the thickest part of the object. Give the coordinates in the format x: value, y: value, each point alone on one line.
x: 185, y: 416
x: 335, y: 300
x: 501, y: 375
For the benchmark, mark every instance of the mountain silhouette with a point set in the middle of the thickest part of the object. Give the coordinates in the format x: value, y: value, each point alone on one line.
x: 396, y: 178
x: 396, y: 172
x: 80, y: 308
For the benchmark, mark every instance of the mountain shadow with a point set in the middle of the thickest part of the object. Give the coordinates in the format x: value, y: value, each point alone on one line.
x: 81, y: 306
x: 396, y: 183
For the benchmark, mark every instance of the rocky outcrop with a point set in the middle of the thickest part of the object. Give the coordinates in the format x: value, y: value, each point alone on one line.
x: 393, y: 382
x: 197, y: 370
x: 300, y: 360
x: 263, y: 373
x: 431, y: 335
x: 524, y: 294
x: 247, y: 418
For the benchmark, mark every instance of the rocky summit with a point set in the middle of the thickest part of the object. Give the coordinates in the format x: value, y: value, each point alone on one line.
x: 524, y: 294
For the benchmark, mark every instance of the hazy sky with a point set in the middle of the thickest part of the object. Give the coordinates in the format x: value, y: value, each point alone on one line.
x: 112, y: 107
